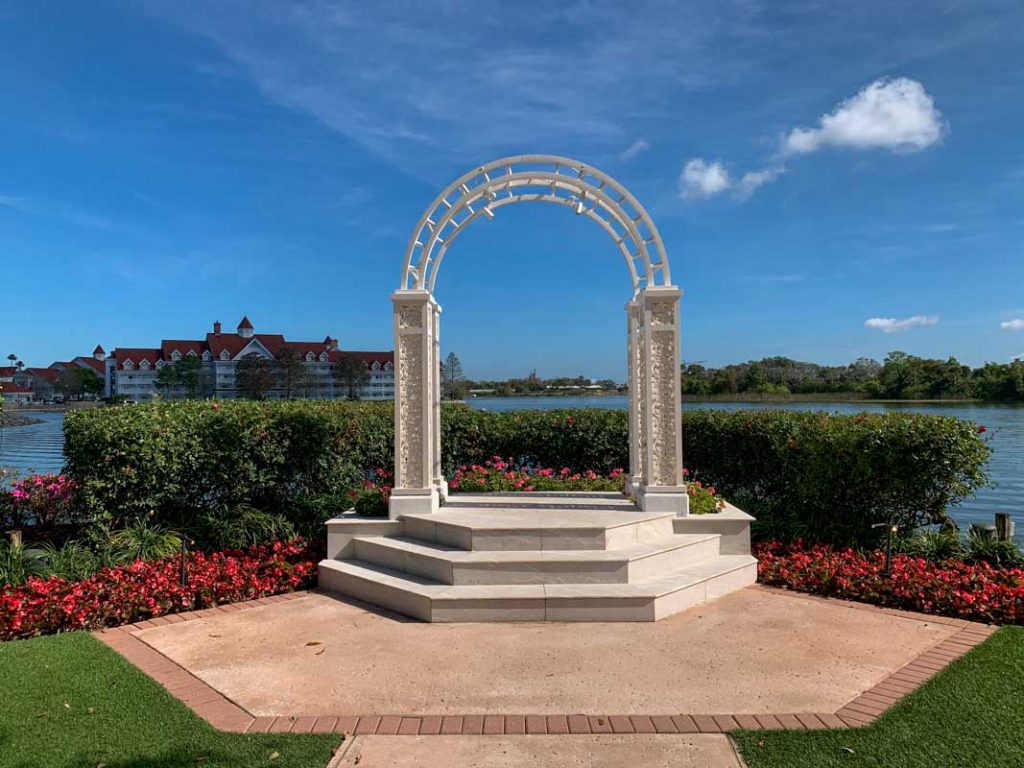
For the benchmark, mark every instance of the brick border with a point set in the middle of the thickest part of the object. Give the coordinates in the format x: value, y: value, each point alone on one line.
x: 223, y: 713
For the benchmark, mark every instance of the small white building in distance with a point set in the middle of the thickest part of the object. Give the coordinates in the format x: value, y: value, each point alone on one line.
x: 132, y: 372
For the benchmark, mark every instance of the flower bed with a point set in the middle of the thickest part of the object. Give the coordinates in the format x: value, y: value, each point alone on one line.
x: 142, y: 590
x: 498, y: 475
x: 952, y: 588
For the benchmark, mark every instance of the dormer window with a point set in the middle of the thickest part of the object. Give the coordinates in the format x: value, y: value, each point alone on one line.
x: 323, y: 357
x: 129, y: 365
x: 375, y: 366
x: 206, y: 356
x: 309, y: 357
x: 191, y: 353
x: 388, y: 366
x: 144, y: 365
x: 160, y: 364
x: 224, y: 355
x: 175, y: 355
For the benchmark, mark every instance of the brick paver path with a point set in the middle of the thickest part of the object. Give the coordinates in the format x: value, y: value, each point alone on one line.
x: 226, y: 715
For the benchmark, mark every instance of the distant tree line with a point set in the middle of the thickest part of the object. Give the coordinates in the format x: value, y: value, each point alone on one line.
x: 899, y: 377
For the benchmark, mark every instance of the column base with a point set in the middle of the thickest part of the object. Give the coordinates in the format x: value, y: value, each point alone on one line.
x: 664, y: 498
x: 633, y: 486
x: 417, y: 501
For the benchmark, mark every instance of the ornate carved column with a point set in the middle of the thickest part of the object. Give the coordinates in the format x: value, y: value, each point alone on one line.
x: 414, y: 490
x: 636, y: 385
x: 663, y: 489
x: 437, y: 477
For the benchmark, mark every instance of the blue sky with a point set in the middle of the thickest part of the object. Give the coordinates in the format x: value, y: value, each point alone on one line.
x: 811, y: 166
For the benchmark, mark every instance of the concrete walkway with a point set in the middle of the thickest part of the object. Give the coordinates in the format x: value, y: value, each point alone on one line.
x: 755, y: 651
x: 692, y: 751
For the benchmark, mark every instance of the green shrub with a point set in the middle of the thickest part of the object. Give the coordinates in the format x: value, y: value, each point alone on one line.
x: 933, y: 546
x: 984, y: 548
x: 829, y: 478
x: 814, y: 475
x: 240, y: 526
x: 142, y: 540
x: 371, y: 502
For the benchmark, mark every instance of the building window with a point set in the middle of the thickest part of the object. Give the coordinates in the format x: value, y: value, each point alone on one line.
x: 175, y: 355
x: 144, y: 365
x: 129, y: 365
x: 224, y: 355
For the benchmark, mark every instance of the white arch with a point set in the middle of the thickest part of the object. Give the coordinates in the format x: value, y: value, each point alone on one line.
x: 655, y: 440
x: 537, y: 178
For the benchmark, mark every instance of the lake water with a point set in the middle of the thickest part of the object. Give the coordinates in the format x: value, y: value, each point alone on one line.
x: 39, y: 447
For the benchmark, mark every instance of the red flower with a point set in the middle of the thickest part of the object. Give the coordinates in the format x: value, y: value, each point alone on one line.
x: 982, y: 429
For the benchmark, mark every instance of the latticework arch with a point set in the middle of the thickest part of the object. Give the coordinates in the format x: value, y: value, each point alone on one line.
x: 537, y: 178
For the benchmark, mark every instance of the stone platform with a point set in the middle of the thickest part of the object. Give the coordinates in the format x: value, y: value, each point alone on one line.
x: 539, y: 557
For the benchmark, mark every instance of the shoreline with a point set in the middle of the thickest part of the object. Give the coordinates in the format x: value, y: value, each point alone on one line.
x: 17, y: 420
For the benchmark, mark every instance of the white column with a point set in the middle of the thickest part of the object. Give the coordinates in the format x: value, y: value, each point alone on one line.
x: 635, y: 385
x: 663, y: 489
x: 437, y: 478
x: 414, y: 490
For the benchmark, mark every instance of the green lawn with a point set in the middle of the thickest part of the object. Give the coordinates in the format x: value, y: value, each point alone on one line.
x: 68, y: 700
x: 971, y: 716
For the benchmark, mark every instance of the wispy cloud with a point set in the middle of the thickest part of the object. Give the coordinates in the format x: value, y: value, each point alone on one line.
x: 426, y: 83
x: 898, y: 115
x: 887, y: 114
x: 892, y: 325
x: 634, y: 149
x: 1017, y: 324
x: 703, y: 179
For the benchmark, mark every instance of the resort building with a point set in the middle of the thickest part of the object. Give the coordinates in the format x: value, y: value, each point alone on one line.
x: 134, y: 373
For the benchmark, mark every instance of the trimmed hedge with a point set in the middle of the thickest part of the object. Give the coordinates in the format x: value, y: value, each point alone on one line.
x: 815, y: 475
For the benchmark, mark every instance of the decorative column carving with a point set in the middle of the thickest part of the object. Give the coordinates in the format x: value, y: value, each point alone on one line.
x: 663, y: 489
x: 636, y: 385
x: 437, y: 478
x: 414, y: 490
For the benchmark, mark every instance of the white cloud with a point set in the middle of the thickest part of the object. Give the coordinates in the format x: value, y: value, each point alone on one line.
x: 1017, y: 324
x: 634, y: 149
x: 892, y: 325
x: 888, y: 114
x: 702, y: 179
x: 754, y: 180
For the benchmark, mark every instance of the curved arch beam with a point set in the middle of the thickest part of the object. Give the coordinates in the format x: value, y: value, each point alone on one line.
x: 496, y: 184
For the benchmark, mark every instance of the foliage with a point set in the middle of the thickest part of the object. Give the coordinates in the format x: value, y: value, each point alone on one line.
x: 144, y: 589
x: 74, y: 382
x: 983, y: 548
x: 933, y: 546
x: 372, y: 501
x: 19, y: 562
x: 142, y: 540
x: 704, y: 499
x: 292, y: 376
x: 240, y: 526
x: 254, y: 376
x: 453, y: 379
x: 72, y: 702
x: 830, y: 478
x: 827, y: 476
x: 968, y: 715
x: 498, y: 475
x: 963, y: 590
x: 186, y: 375
x: 901, y: 376
x: 43, y: 501
x: 351, y: 375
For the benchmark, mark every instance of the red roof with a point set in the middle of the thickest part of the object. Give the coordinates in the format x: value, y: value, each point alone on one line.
x: 8, y: 388
x: 8, y: 370
x: 50, y: 374
x: 136, y: 355
x: 99, y: 350
x: 182, y: 346
x: 91, y: 362
x: 245, y: 324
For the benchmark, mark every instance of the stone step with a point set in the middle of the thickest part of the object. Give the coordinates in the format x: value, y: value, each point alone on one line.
x: 451, y: 565
x: 538, y: 527
x: 647, y: 600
